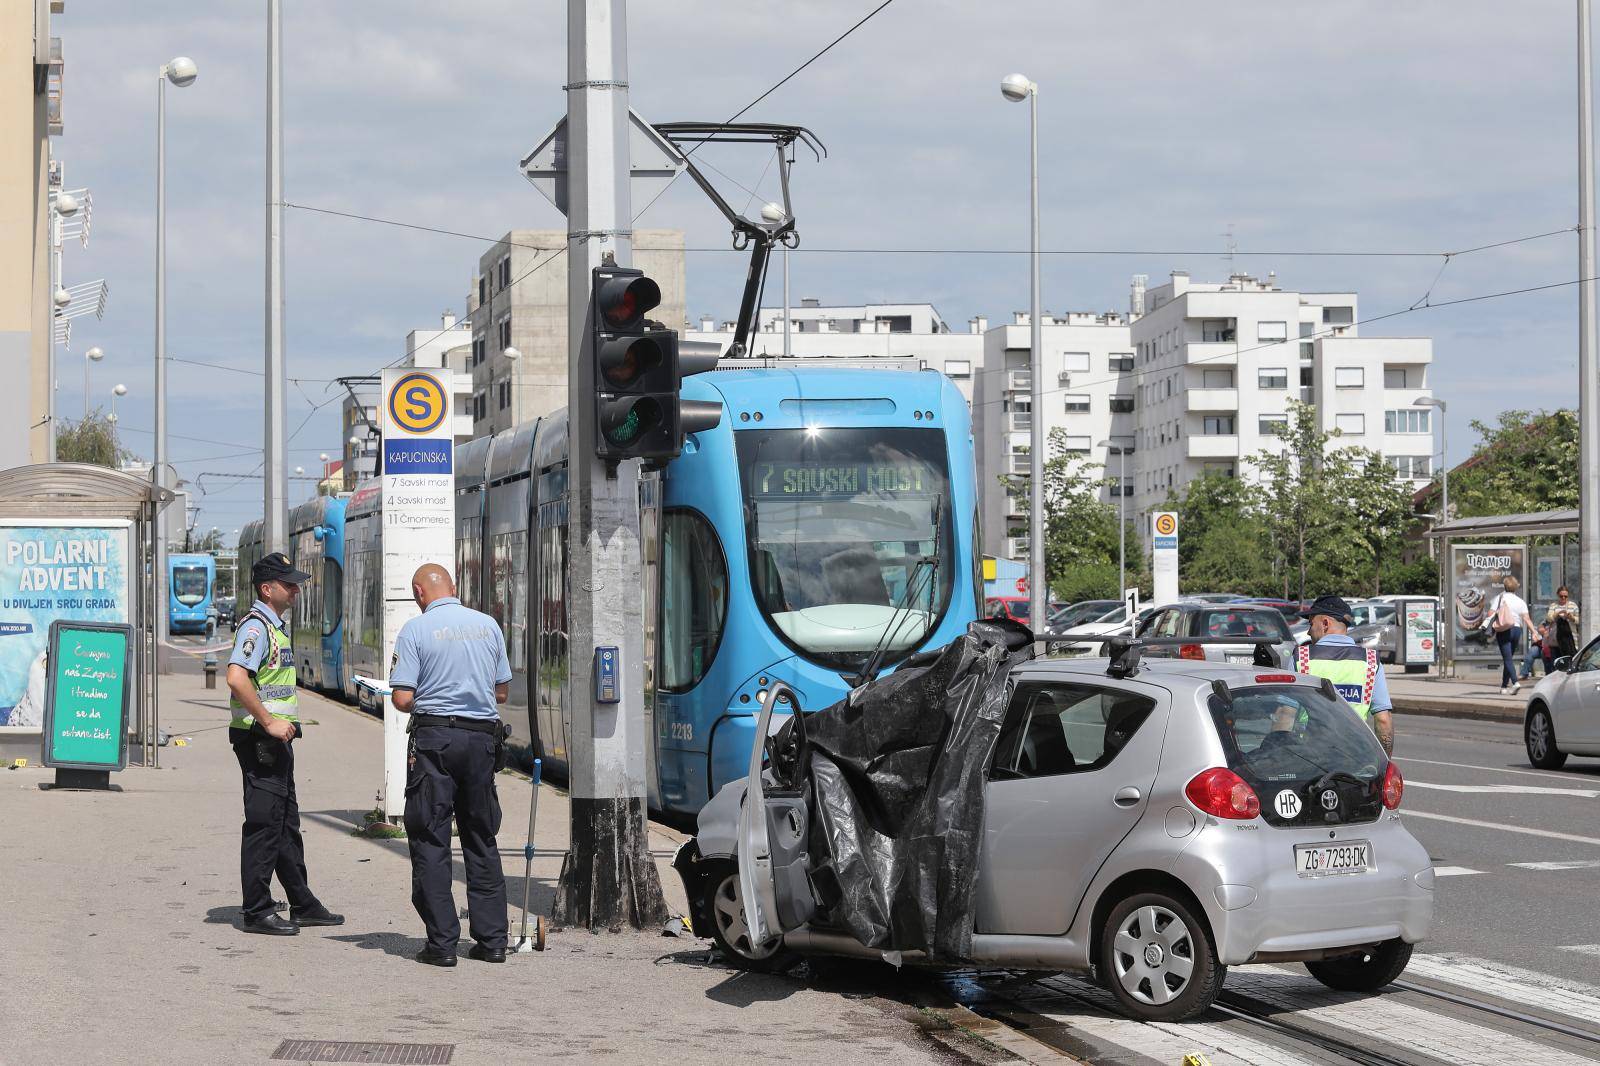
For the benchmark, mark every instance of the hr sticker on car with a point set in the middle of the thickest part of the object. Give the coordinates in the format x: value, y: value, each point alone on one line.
x: 1287, y: 804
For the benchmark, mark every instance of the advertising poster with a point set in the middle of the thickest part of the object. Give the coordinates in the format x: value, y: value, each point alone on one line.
x: 1546, y: 575
x: 1421, y: 633
x: 73, y: 571
x: 1477, y: 575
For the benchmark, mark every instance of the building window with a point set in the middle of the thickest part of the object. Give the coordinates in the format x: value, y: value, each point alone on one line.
x: 1308, y: 350
x: 1272, y: 377
x: 1307, y: 378
x: 1214, y: 330
x: 1077, y: 403
x: 1350, y: 425
x: 1412, y: 467
x: 1121, y: 405
x: 1307, y: 328
x: 1349, y: 377
x: 1121, y: 362
x: 505, y: 334
x: 1408, y: 420
x: 483, y: 289
x: 1122, y: 488
x: 1338, y: 316
x: 477, y: 407
x: 1216, y: 379
x: 1272, y: 332
x: 1272, y: 425
x: 1217, y: 426
x: 958, y: 368
x: 505, y: 272
x: 1078, y: 445
x: 1074, y: 362
x: 1220, y: 470
x: 1394, y: 377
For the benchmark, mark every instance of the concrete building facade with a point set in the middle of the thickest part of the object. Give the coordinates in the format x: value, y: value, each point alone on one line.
x: 519, y: 300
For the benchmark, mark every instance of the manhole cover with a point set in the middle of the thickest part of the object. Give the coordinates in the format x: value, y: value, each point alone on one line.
x: 363, y: 1051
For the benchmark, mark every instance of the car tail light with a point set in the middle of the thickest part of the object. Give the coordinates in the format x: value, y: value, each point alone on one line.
x: 1191, y: 651
x: 1394, y: 786
x: 1222, y: 793
x: 1276, y: 679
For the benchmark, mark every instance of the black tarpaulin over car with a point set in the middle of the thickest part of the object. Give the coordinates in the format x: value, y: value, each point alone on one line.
x: 894, y: 777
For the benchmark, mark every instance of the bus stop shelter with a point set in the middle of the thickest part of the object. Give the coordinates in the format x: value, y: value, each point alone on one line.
x: 57, y: 505
x: 1475, y: 555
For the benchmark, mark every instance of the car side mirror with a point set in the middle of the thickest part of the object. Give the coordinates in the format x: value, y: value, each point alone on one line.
x: 1563, y: 664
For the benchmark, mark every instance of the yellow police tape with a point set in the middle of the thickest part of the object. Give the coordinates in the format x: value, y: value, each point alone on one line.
x: 19, y: 764
x: 1194, y: 1058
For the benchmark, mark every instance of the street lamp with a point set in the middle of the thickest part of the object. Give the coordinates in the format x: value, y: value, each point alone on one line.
x: 181, y: 72
x: 118, y: 390
x: 1122, y: 514
x: 1444, y: 458
x: 512, y: 352
x: 1017, y: 88
x: 93, y: 355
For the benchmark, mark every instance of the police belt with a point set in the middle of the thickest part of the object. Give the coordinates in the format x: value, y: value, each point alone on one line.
x: 450, y: 721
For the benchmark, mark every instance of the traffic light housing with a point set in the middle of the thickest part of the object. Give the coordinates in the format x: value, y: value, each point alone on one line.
x: 638, y: 369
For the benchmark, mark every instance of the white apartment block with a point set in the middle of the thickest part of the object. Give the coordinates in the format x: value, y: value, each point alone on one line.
x: 1219, y: 364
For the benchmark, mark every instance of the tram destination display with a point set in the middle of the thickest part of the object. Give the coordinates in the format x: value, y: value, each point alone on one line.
x: 89, y: 681
x: 840, y: 479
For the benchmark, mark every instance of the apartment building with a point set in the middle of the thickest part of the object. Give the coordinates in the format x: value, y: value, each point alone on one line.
x: 518, y: 302
x: 1218, y: 365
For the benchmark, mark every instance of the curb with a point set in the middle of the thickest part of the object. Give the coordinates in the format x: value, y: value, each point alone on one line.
x: 1444, y: 707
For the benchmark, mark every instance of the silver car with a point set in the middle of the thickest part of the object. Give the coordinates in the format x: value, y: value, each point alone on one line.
x: 1250, y: 623
x: 1153, y: 823
x: 1561, y: 717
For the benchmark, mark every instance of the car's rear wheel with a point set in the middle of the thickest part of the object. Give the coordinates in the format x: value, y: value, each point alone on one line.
x: 1539, y: 734
x: 1365, y: 971
x: 724, y: 902
x: 1157, y: 959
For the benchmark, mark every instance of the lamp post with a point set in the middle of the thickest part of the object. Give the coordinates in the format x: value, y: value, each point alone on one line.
x: 180, y: 72
x: 62, y: 205
x: 1444, y: 458
x: 118, y: 390
x: 1017, y: 88
x: 93, y: 355
x: 1122, y: 514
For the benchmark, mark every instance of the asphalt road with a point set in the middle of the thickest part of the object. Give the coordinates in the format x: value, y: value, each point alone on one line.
x: 1523, y: 887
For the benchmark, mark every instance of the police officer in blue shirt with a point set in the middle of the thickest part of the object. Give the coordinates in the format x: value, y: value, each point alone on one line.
x: 265, y: 723
x: 448, y: 672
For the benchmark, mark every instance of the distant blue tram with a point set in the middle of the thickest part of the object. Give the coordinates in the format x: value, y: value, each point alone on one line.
x: 191, y: 582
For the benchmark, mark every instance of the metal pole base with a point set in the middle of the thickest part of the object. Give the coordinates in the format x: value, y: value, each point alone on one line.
x: 527, y: 945
x: 83, y: 781
x: 608, y: 878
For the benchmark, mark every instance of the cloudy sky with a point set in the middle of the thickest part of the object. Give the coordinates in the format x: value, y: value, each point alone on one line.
x: 1351, y: 125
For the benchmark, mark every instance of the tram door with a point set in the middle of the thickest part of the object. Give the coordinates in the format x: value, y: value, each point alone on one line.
x: 550, y: 700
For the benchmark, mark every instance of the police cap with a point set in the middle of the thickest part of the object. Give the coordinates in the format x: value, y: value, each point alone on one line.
x: 1332, y: 606
x: 276, y: 567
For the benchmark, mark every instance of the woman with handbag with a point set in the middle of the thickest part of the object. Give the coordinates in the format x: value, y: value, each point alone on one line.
x: 1507, y: 617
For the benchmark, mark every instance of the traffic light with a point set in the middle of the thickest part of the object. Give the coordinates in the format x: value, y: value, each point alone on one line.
x: 638, y: 370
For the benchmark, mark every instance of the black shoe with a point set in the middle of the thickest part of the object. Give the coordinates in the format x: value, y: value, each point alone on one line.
x: 486, y: 954
x: 271, y: 925
x: 319, y: 915
x: 426, y: 955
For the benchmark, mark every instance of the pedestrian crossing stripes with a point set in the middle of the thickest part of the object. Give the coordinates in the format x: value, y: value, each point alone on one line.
x: 1578, y: 864
x: 1453, y: 871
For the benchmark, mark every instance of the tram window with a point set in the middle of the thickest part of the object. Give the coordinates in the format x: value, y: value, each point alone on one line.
x: 694, y: 598
x: 332, y: 596
x: 516, y: 624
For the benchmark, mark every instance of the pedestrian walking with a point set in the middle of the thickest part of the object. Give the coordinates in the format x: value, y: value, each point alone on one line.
x: 448, y: 672
x: 263, y: 729
x: 1562, y: 620
x: 1507, y: 621
x: 1353, y: 670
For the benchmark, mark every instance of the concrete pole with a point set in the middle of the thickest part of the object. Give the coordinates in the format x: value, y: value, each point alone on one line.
x: 51, y: 409
x: 1444, y: 461
x: 608, y: 878
x: 1038, y: 578
x: 159, y: 556
x: 1588, y: 373
x: 786, y: 311
x: 274, y: 472
x: 1122, y: 522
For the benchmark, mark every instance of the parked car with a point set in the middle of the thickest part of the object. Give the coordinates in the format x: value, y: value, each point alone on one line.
x: 1560, y: 719
x: 1249, y: 622
x: 1290, y: 609
x: 1151, y: 821
x: 1082, y: 611
x: 225, y: 611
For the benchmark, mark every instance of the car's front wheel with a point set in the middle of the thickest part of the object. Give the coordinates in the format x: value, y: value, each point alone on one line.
x: 1539, y: 734
x: 1365, y: 971
x: 724, y: 902
x: 1157, y: 959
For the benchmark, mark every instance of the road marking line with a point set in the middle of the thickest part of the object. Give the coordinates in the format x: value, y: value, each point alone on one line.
x: 1492, y: 769
x: 1564, y: 998
x: 1582, y: 949
x: 1453, y: 871
x: 1579, y: 864
x: 1510, y: 790
x: 1546, y: 833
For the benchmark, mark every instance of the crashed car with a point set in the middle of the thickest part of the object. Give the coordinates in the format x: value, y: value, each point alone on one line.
x: 1153, y: 822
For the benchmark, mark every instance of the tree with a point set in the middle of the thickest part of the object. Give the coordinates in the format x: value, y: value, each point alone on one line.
x: 1080, y: 540
x: 92, y: 440
x: 1526, y: 462
x: 1223, y: 543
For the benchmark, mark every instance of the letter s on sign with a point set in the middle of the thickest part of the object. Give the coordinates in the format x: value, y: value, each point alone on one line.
x: 417, y: 403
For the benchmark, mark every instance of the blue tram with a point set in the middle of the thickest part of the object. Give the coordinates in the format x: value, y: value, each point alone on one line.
x: 191, y: 583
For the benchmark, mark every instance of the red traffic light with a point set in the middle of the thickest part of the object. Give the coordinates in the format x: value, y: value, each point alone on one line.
x: 624, y: 300
x: 625, y: 360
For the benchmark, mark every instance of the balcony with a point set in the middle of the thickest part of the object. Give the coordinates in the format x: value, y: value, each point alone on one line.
x: 1211, y: 399
x: 1212, y: 353
x: 1019, y: 421
x: 1018, y: 381
x: 1213, y: 447
x: 1021, y: 463
x: 53, y: 80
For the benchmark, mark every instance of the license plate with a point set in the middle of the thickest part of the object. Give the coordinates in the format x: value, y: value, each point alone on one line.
x: 1326, y: 860
x: 1241, y: 657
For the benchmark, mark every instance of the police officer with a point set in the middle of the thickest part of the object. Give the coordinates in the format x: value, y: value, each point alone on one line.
x: 448, y: 672
x: 1354, y: 671
x: 263, y: 730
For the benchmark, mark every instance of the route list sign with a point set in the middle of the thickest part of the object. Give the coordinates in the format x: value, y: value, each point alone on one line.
x: 86, y: 697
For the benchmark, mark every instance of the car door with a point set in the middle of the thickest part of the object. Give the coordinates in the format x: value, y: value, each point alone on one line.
x: 1163, y: 623
x: 772, y: 833
x: 1575, y: 705
x: 1072, y: 776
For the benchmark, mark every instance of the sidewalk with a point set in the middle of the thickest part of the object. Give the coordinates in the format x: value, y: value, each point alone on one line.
x: 120, y: 947
x: 1474, y: 693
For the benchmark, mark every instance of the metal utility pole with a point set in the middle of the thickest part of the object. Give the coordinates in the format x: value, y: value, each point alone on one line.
x: 608, y: 878
x: 274, y: 472
x: 1588, y: 373
x: 787, y: 312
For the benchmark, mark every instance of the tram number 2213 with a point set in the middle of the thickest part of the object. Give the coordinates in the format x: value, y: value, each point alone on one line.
x: 681, y: 730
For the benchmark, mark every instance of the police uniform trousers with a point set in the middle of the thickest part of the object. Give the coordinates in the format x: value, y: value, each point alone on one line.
x: 271, y: 842
x: 451, y: 775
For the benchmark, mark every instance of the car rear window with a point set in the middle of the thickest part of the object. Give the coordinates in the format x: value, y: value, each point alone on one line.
x: 1253, y: 623
x: 1300, y: 739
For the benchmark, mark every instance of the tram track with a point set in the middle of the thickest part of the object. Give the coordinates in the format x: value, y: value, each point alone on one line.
x: 1509, y: 1013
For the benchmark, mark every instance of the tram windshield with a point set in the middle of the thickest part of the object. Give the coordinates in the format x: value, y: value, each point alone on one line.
x: 840, y: 523
x: 189, y: 584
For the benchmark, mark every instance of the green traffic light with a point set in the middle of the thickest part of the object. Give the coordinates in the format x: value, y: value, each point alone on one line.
x: 625, y: 431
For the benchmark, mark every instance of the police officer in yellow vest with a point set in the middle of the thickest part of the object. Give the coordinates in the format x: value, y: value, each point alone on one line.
x: 1354, y: 671
x: 264, y: 727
